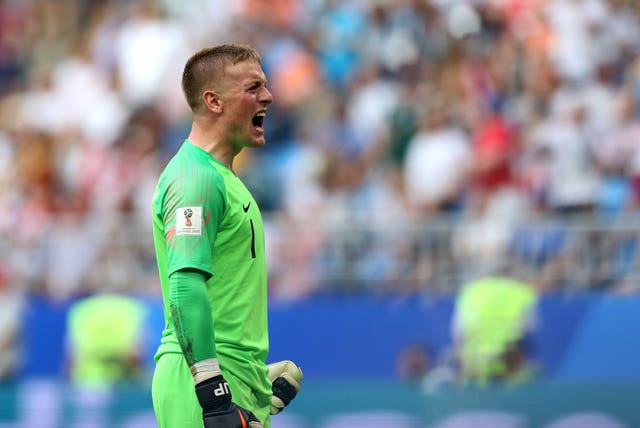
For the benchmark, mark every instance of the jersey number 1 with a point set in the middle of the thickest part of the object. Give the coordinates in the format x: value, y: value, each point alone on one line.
x: 253, y: 241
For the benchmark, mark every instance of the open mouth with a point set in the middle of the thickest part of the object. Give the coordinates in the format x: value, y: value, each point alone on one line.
x: 258, y: 120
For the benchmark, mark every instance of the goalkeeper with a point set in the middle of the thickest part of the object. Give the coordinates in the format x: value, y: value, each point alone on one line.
x: 209, y: 243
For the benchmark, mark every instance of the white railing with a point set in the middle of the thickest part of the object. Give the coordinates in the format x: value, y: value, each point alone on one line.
x: 72, y: 255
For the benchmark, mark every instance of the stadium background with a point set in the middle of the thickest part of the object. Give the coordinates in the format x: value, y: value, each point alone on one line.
x: 414, y: 145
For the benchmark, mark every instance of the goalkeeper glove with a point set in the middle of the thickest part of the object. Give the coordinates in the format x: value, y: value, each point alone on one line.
x: 217, y: 409
x: 285, y: 377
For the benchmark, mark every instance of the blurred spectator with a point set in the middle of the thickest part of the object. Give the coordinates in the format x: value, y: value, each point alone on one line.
x: 367, y: 110
x: 338, y: 31
x: 413, y: 363
x: 495, y: 147
x: 13, y: 69
x: 493, y: 317
x: 397, y: 35
x: 11, y: 310
x: 63, y: 101
x: 617, y: 156
x: 573, y: 177
x: 418, y: 366
x: 147, y: 45
x: 105, y: 340
x: 437, y: 162
x: 575, y: 23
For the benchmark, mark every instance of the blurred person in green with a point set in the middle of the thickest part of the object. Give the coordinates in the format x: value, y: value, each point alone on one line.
x: 493, y: 318
x: 105, y: 338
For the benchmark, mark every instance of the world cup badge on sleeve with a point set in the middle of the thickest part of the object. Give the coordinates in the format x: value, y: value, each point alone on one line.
x: 189, y: 221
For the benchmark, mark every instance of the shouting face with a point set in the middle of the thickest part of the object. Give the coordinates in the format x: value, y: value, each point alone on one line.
x: 244, y: 98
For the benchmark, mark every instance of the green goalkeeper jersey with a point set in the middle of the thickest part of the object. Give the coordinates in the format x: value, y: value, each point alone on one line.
x: 205, y: 218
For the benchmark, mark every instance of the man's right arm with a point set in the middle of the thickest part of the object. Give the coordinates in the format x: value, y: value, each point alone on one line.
x: 191, y: 314
x: 193, y: 323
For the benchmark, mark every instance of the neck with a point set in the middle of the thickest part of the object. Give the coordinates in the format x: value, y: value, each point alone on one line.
x: 216, y: 145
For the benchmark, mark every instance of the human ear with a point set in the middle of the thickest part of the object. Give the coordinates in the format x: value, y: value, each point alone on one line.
x: 212, y: 100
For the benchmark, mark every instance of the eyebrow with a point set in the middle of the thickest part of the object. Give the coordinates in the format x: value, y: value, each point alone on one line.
x: 257, y: 82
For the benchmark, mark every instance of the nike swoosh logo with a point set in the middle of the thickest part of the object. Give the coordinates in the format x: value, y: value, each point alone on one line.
x: 247, y: 207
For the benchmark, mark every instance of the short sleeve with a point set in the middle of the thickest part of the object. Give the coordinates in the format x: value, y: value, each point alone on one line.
x: 193, y: 204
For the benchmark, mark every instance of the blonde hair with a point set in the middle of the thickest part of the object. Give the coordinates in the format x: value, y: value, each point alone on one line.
x: 206, y: 66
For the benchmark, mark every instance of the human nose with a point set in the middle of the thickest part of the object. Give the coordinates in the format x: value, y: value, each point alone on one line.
x: 266, y: 97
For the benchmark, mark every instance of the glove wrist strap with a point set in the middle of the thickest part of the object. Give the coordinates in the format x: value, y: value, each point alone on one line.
x: 284, y: 390
x: 205, y: 369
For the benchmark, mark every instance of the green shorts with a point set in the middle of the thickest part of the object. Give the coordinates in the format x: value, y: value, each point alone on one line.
x: 174, y: 396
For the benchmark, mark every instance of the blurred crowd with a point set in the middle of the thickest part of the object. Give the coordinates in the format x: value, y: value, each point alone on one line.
x: 412, y: 144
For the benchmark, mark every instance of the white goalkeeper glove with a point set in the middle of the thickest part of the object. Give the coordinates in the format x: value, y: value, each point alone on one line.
x: 285, y: 377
